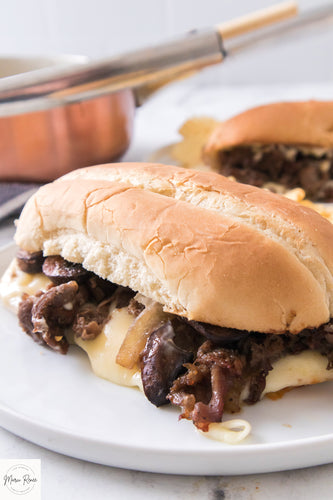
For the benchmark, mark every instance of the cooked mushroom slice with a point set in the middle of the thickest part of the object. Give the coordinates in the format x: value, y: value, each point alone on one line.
x: 61, y: 271
x: 162, y: 362
x: 51, y: 312
x: 30, y: 262
x: 219, y: 335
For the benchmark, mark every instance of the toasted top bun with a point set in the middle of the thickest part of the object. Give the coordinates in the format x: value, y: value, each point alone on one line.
x: 307, y: 123
x: 207, y: 248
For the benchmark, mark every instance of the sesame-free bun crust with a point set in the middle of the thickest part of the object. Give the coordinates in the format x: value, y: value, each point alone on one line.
x: 207, y: 248
x: 308, y: 123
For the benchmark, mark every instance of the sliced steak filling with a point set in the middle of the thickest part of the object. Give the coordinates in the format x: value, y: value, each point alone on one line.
x: 287, y: 166
x: 199, y: 367
x: 77, y: 299
x: 223, y: 368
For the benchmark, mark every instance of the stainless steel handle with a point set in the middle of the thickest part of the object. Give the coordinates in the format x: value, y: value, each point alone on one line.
x: 51, y: 87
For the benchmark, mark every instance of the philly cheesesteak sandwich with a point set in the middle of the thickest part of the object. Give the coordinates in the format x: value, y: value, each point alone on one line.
x: 204, y: 292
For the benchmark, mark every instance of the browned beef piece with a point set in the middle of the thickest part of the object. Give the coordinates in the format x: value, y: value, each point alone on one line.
x: 260, y: 352
x: 90, y: 319
x: 273, y: 164
x: 135, y: 308
x: 99, y: 288
x: 123, y: 296
x: 202, y: 391
x: 30, y: 262
x: 24, y: 316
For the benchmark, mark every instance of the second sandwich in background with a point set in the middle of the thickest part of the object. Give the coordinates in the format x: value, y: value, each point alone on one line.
x: 278, y: 146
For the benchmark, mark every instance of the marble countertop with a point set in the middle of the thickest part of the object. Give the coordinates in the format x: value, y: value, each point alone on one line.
x: 65, y: 477
x: 68, y: 478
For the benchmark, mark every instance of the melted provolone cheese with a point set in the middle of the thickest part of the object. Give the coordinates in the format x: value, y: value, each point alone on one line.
x: 16, y: 282
x: 306, y: 368
x: 102, y: 351
x: 231, y: 431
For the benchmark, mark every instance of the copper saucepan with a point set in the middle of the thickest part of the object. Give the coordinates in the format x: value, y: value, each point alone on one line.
x: 62, y: 113
x: 44, y: 144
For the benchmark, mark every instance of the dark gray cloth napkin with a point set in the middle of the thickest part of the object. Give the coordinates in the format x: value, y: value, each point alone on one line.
x: 13, y: 196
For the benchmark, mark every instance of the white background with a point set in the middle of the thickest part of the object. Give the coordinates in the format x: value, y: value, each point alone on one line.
x: 99, y: 28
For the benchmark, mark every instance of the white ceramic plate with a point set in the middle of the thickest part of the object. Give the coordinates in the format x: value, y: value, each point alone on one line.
x: 56, y: 402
